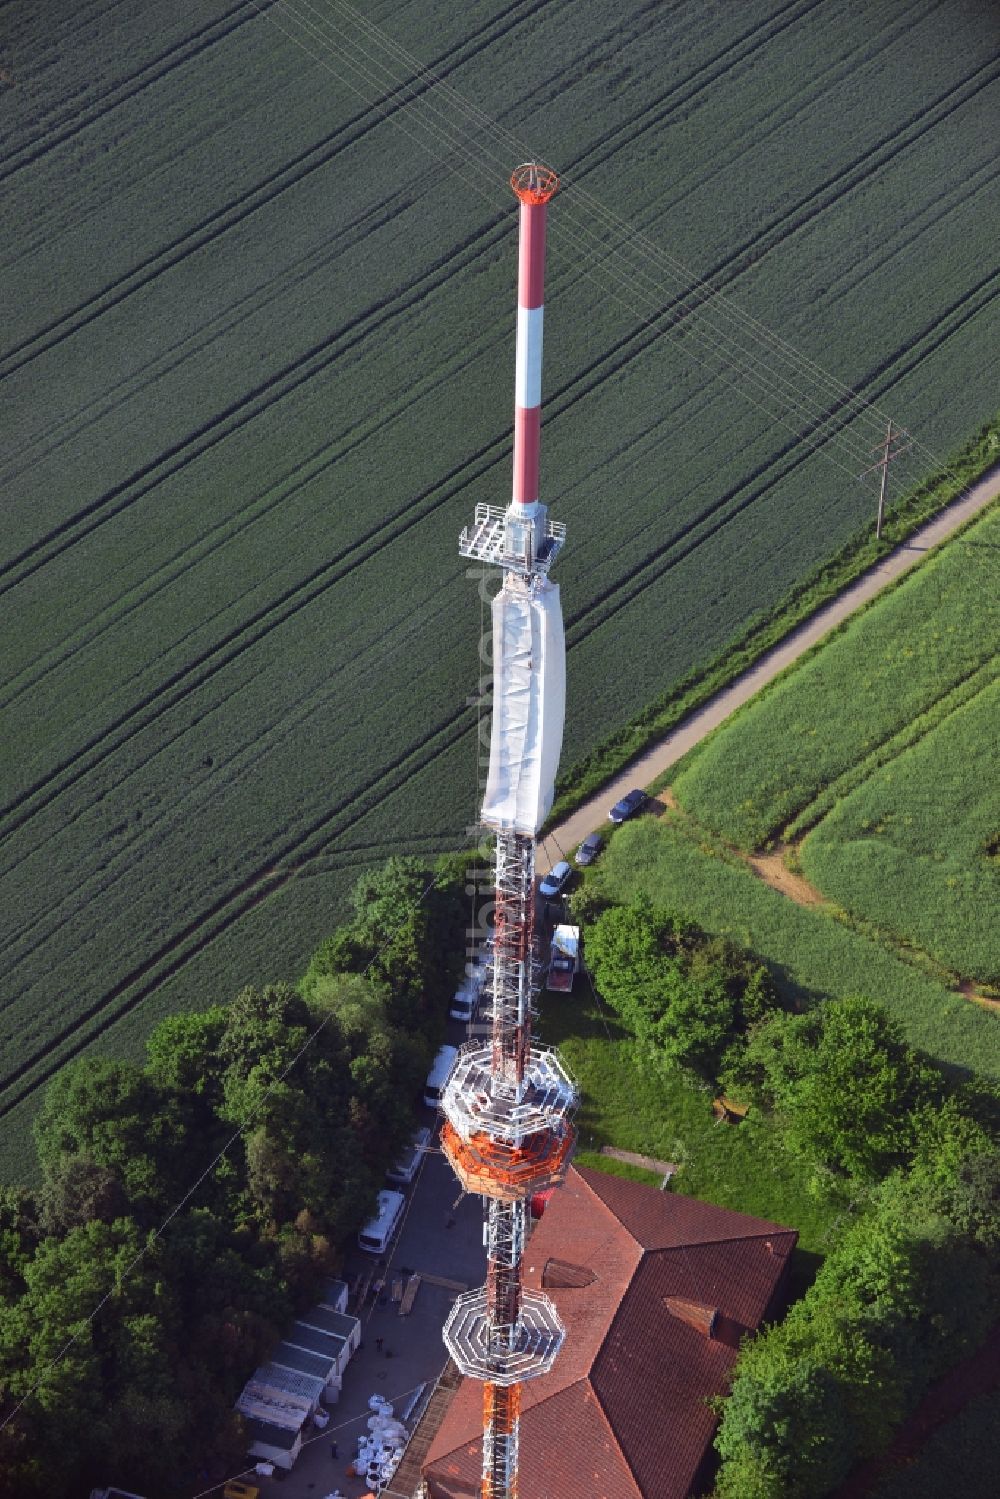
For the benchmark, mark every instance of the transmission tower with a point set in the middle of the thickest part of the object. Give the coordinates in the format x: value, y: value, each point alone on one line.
x: 508, y: 1106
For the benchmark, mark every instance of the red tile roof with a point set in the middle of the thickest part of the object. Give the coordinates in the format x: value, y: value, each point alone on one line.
x: 624, y: 1412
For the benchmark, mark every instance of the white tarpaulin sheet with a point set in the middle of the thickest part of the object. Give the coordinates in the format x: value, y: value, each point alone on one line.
x: 529, y: 703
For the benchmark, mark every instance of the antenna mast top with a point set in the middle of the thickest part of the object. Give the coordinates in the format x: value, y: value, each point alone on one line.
x: 534, y: 183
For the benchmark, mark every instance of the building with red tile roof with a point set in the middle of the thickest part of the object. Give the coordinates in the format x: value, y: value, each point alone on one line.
x: 656, y: 1290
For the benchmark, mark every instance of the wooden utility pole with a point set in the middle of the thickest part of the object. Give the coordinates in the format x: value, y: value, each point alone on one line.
x: 888, y: 452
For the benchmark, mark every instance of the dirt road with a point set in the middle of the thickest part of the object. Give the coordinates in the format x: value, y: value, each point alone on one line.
x: 594, y: 813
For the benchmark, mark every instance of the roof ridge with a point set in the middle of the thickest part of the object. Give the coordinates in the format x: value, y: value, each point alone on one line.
x: 723, y: 1239
x: 609, y: 1427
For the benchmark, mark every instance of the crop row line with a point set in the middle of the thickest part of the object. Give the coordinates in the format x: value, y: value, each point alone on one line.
x: 237, y: 209
x: 119, y: 497
x: 288, y: 722
x: 607, y: 364
x: 58, y: 131
x: 212, y: 922
x: 194, y: 552
x: 102, y: 503
x: 881, y: 379
x: 802, y: 213
x: 66, y: 426
x: 969, y: 187
x: 212, y: 936
x: 368, y: 544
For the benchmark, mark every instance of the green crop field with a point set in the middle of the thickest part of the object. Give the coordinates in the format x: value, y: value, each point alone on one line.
x: 810, y: 953
x: 257, y: 365
x: 886, y: 675
x: 884, y: 743
x: 914, y: 849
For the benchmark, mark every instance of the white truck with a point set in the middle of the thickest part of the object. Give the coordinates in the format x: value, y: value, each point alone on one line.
x: 564, y: 959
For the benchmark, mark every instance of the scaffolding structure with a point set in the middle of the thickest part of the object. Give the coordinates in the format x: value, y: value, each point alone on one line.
x: 508, y: 1106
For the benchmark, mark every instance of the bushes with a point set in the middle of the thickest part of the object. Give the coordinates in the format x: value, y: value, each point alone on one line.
x: 902, y: 1297
x: 404, y: 937
x: 847, y: 1090
x: 914, y: 1281
x: 686, y: 997
x: 808, y: 953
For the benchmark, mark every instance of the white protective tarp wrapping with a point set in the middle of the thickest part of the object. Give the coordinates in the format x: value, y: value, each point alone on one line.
x: 529, y: 703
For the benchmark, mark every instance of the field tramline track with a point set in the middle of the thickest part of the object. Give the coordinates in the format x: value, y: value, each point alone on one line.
x: 723, y: 274
x: 58, y: 132
x: 285, y: 725
x: 242, y: 898
x: 194, y: 674
x: 900, y: 364
x: 272, y: 881
x: 720, y: 276
x: 288, y: 176
x: 246, y: 306
x: 777, y: 231
x: 629, y: 133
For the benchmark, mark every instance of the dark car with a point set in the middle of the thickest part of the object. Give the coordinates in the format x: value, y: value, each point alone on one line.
x: 628, y: 806
x: 589, y: 849
x: 554, y: 882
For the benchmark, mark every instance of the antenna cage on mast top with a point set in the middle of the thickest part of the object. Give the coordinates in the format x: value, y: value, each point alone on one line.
x: 534, y: 183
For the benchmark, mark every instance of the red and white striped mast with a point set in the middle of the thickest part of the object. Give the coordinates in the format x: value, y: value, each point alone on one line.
x: 508, y: 1105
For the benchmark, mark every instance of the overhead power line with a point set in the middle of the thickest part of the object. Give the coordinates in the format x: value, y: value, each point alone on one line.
x: 772, y: 375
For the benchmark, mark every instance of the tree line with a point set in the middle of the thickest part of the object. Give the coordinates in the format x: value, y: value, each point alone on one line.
x: 285, y: 1106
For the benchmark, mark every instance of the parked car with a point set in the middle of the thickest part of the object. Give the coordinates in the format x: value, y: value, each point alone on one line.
x: 555, y: 881
x: 589, y: 848
x: 628, y: 806
x: 402, y: 1172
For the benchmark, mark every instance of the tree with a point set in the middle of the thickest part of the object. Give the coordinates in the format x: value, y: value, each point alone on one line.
x: 785, y: 1433
x: 115, y: 1117
x: 906, y: 1293
x: 19, y: 1236
x: 183, y: 1054
x: 86, y: 1347
x: 76, y: 1190
x: 686, y: 998
x: 847, y: 1087
x: 400, y: 939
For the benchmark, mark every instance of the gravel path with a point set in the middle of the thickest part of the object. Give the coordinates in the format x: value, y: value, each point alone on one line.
x: 594, y: 813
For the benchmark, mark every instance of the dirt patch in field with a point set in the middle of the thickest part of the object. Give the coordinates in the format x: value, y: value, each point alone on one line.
x: 968, y: 990
x: 772, y: 869
x: 662, y: 801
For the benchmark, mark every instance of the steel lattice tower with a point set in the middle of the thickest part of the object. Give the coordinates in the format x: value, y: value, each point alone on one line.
x: 508, y: 1105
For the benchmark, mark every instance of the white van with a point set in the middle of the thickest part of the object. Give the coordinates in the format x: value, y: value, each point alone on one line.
x: 463, y: 1006
x: 375, y: 1236
x: 402, y: 1172
x: 438, y: 1075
